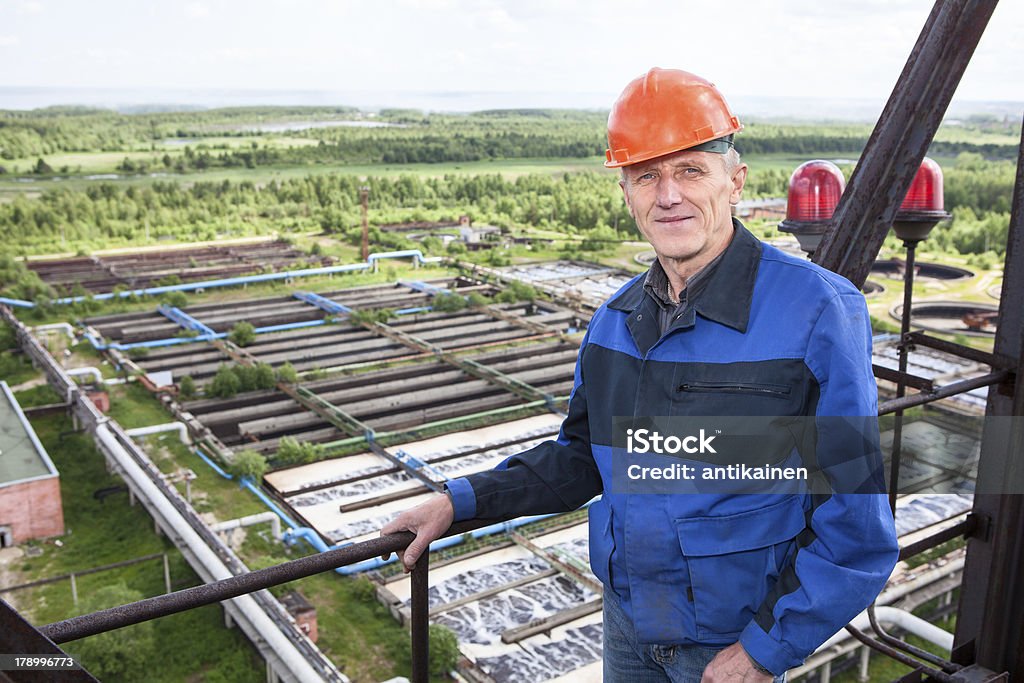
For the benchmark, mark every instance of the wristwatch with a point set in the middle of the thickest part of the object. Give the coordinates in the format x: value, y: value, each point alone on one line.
x: 757, y: 665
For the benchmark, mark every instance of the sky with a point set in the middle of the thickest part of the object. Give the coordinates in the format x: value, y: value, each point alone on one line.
x: 532, y: 52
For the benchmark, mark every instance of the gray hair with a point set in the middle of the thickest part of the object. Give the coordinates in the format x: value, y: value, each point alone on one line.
x: 731, y: 158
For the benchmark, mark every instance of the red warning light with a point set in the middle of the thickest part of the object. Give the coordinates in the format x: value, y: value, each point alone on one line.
x: 925, y: 193
x: 814, y: 190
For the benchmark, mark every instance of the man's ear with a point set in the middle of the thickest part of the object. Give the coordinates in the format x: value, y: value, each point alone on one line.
x: 739, y: 179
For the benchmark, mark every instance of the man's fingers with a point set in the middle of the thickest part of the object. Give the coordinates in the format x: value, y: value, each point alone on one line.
x: 413, y: 552
x: 393, y: 527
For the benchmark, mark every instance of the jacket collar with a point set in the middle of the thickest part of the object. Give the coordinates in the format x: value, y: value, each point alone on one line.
x: 727, y: 297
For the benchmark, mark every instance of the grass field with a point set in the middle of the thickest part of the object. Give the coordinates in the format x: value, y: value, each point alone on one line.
x: 100, y: 532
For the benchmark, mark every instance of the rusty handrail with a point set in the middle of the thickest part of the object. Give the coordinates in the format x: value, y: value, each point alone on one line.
x: 225, y: 589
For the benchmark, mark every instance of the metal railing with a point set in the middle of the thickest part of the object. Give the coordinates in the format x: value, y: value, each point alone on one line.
x: 235, y: 586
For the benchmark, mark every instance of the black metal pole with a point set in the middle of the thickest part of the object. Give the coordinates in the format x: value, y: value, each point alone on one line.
x: 420, y: 620
x: 901, y: 387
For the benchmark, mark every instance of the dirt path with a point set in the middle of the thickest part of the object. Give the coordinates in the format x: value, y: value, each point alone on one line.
x: 10, y: 560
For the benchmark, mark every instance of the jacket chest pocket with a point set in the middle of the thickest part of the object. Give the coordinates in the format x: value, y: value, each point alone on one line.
x: 734, y: 561
x: 733, y: 397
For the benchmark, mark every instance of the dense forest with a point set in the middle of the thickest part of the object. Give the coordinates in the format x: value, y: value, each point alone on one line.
x: 573, y: 203
x: 403, y: 136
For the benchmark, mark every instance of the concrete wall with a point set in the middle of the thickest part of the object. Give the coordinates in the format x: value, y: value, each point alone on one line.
x: 32, y: 509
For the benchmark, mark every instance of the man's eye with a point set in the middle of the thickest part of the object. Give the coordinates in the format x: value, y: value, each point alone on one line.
x: 691, y: 171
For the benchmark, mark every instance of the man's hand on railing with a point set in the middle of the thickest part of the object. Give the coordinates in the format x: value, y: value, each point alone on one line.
x: 428, y: 521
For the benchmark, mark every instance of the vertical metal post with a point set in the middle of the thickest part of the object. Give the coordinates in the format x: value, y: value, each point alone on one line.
x: 74, y: 591
x: 167, y: 575
x: 901, y: 388
x: 863, y: 671
x: 364, y: 199
x: 989, y: 628
x: 420, y: 620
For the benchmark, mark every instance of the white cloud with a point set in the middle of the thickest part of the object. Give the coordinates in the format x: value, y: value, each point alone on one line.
x: 30, y: 7
x: 9, y: 41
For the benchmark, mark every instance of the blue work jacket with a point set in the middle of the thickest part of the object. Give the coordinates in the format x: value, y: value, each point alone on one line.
x: 771, y: 334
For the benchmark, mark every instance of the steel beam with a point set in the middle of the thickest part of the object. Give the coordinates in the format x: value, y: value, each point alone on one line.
x: 989, y: 627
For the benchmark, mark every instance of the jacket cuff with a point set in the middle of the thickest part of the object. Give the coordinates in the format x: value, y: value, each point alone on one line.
x: 766, y: 651
x: 463, y: 498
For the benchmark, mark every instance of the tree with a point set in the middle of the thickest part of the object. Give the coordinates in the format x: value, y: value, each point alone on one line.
x: 225, y: 383
x: 477, y: 300
x: 286, y: 373
x: 249, y: 464
x: 448, y: 303
x: 264, y: 377
x: 42, y: 168
x: 176, y: 299
x: 187, y: 387
x: 444, y: 649
x: 124, y: 653
x: 291, y: 451
x: 243, y: 333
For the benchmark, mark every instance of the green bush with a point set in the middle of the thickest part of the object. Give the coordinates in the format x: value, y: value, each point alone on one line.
x: 448, y: 303
x: 242, y: 334
x: 444, y: 649
x: 225, y: 383
x: 249, y: 463
x: 176, y: 299
x: 124, y: 653
x: 477, y: 300
x: 265, y: 377
x: 291, y: 451
x: 187, y: 387
x: 286, y: 373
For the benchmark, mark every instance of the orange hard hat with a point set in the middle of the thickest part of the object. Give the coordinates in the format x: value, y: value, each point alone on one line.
x: 664, y: 111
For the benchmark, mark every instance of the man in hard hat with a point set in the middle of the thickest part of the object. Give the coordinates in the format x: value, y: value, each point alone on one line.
x: 713, y: 586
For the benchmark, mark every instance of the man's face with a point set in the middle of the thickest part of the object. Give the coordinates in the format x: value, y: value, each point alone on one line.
x: 680, y: 203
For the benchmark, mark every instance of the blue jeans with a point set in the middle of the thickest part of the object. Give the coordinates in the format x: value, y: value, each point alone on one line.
x: 627, y: 661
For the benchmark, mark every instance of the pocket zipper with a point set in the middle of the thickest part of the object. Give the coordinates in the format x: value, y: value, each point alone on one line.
x: 777, y: 390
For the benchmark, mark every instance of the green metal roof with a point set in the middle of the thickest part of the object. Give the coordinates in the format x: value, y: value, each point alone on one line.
x: 21, y: 455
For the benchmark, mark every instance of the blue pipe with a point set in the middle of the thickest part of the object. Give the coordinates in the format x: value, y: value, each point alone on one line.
x: 323, y: 303
x: 17, y: 303
x: 289, y: 326
x: 418, y: 309
x: 420, y: 286
x: 247, y: 483
x: 183, y: 319
x: 173, y: 341
x: 232, y: 281
x: 226, y: 282
x: 216, y: 468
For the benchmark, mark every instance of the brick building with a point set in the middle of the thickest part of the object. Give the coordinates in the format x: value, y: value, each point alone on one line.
x: 30, y: 505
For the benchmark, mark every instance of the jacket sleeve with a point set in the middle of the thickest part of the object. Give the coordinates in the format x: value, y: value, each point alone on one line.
x: 553, y: 476
x: 848, y: 548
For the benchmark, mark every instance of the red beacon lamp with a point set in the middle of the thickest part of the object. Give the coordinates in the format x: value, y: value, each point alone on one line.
x: 814, y: 190
x: 923, y: 207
